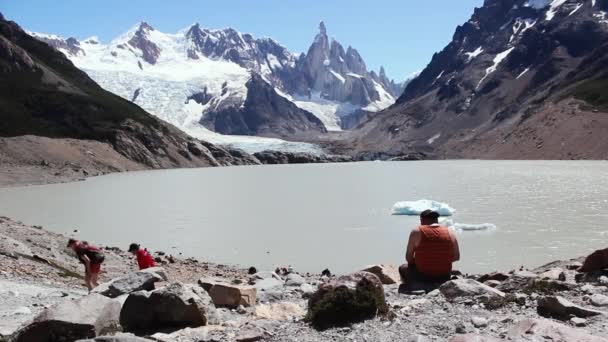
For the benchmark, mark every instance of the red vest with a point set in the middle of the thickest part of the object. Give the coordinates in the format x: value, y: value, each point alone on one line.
x: 435, y: 253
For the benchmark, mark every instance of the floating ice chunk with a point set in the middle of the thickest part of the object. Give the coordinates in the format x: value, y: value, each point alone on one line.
x: 471, y: 227
x: 413, y: 208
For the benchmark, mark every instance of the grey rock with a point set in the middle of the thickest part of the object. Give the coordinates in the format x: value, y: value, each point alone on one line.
x: 158, y: 271
x: 133, y: 282
x: 173, y: 307
x: 87, y: 317
x: 599, y: 300
x: 198, y: 334
x: 461, y: 328
x: 492, y: 283
x: 554, y: 273
x: 307, y: 290
x: 479, y: 322
x: 472, y: 338
x: 418, y: 338
x: 268, y: 284
x: 468, y: 288
x: 546, y: 330
x: 250, y: 334
x: 559, y: 307
x: 294, y: 279
x: 579, y: 322
x: 120, y: 337
x: 517, y: 281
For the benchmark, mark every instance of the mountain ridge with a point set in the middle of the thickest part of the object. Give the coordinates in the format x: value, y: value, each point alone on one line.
x: 136, y: 65
x: 504, y: 87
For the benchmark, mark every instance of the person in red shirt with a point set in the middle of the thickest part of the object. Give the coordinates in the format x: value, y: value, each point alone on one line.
x: 91, y: 257
x: 144, y: 258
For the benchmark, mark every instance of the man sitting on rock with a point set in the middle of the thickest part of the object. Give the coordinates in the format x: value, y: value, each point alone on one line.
x: 91, y: 257
x: 144, y: 258
x: 431, y: 250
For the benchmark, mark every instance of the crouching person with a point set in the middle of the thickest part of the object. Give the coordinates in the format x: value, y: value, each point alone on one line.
x: 91, y: 257
x: 431, y: 250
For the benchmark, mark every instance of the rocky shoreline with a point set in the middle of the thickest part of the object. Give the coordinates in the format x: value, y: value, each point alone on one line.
x: 43, y: 298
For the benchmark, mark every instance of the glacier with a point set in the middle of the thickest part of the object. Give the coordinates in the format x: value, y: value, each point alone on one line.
x: 413, y: 208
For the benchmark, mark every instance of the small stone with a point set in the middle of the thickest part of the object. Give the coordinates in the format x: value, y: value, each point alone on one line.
x: 599, y: 300
x: 24, y: 310
x: 479, y: 322
x: 461, y: 328
x: 241, y: 309
x: 579, y: 322
x: 492, y: 283
x: 603, y: 280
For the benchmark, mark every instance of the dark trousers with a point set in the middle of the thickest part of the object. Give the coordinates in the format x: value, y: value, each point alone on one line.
x: 414, y: 280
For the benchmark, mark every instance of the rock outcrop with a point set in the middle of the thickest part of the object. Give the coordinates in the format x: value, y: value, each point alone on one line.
x: 264, y: 113
x: 278, y: 157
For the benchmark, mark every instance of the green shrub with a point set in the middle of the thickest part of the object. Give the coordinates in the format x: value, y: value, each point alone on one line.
x: 342, y: 306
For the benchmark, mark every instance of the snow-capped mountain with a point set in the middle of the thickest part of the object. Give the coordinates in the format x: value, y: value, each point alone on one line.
x: 520, y: 79
x: 200, y: 79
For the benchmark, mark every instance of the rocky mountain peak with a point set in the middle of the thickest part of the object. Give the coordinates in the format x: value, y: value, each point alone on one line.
x: 322, y: 28
x: 145, y: 27
x: 140, y: 40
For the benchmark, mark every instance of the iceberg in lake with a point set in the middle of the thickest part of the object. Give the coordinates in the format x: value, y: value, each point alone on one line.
x: 470, y: 227
x: 413, y: 208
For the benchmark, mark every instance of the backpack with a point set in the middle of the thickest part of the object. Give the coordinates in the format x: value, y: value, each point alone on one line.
x: 96, y: 257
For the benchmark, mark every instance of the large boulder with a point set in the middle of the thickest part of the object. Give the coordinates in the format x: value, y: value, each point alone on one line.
x: 87, y: 317
x: 388, y: 274
x: 546, y: 330
x: 173, y: 307
x: 229, y: 295
x: 559, y: 307
x: 136, y: 281
x: 347, y: 299
x: 459, y: 288
x: 595, y: 261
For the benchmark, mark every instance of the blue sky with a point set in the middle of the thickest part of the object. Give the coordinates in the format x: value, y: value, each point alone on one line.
x: 402, y: 35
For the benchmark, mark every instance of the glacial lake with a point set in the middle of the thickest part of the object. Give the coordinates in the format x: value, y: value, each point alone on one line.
x: 332, y: 215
